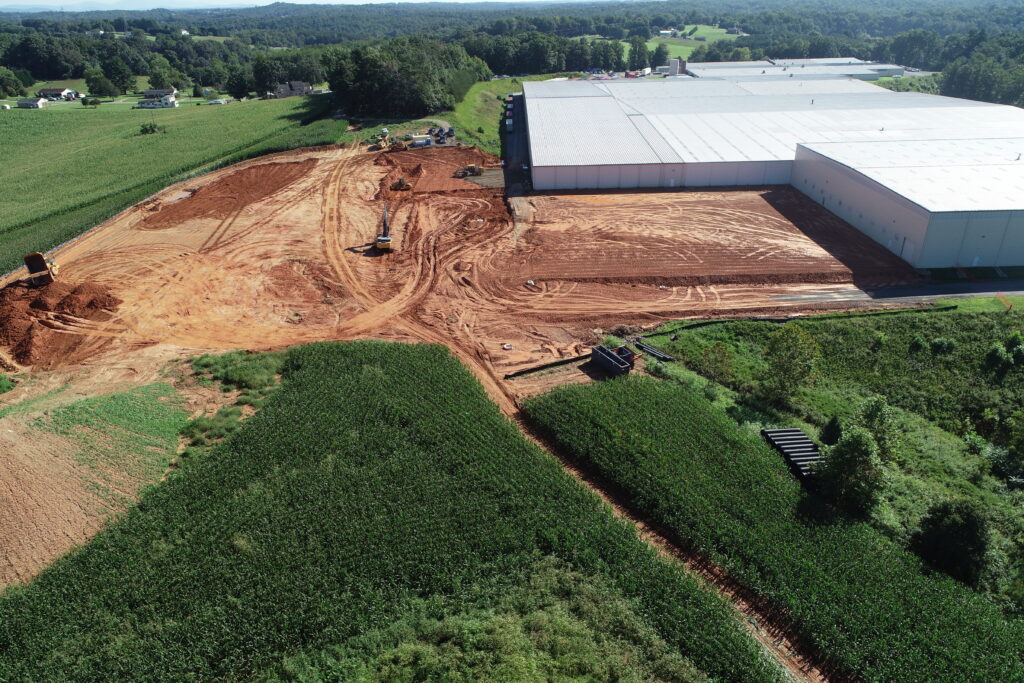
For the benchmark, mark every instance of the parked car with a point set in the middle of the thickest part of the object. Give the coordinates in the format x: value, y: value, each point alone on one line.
x: 451, y: 132
x: 217, y: 102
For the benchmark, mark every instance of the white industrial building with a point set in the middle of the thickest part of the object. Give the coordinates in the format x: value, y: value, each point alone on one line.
x: 934, y: 203
x: 698, y: 132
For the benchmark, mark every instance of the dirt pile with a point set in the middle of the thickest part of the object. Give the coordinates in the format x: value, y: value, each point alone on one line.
x: 228, y: 195
x: 44, y: 325
x: 433, y: 169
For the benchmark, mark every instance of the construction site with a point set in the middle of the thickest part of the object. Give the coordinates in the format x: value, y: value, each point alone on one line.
x: 417, y: 245
x: 283, y: 250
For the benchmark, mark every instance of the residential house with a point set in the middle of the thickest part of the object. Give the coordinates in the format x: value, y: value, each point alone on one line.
x: 60, y: 93
x: 290, y: 89
x: 157, y: 93
x: 165, y: 102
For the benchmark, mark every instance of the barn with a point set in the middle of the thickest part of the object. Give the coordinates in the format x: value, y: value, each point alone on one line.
x: 870, y: 143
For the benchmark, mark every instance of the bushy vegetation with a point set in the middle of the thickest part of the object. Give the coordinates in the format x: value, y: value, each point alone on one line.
x: 937, y: 365
x: 403, y: 77
x: 870, y: 607
x: 940, y: 395
x: 6, y: 383
x: 378, y: 516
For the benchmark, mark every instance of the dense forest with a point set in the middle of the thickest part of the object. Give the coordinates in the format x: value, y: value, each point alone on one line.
x: 978, y: 48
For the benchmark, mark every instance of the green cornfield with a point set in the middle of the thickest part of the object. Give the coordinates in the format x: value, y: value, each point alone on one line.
x: 867, y: 606
x: 378, y: 519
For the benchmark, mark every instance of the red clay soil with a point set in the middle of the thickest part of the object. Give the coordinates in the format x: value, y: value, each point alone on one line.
x: 698, y: 237
x: 433, y: 169
x: 41, y: 325
x: 228, y: 195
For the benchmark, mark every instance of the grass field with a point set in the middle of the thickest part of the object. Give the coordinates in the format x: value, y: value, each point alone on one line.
x: 121, y: 439
x: 868, y: 606
x: 478, y: 117
x: 682, y: 48
x: 378, y: 519
x: 69, y: 168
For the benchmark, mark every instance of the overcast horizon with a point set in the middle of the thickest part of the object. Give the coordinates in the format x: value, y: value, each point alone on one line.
x: 129, y: 5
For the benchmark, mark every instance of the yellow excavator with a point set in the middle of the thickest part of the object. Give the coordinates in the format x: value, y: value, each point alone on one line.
x: 41, y: 270
x: 384, y: 242
x: 472, y: 170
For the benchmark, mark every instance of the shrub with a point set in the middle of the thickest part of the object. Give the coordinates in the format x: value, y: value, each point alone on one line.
x: 851, y: 472
x: 884, y: 423
x: 831, y: 432
x: 954, y: 537
x: 792, y: 355
x: 6, y: 383
x: 716, y: 363
x: 998, y: 356
x: 917, y: 343
x: 942, y: 345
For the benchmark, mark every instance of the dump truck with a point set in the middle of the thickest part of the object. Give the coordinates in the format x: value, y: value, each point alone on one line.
x: 614, y: 361
x: 41, y: 270
x: 384, y: 242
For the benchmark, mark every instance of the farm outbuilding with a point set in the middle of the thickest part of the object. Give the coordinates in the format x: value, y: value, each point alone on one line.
x: 700, y: 132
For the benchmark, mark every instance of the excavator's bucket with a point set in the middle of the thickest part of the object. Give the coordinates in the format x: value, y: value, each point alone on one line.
x: 40, y: 270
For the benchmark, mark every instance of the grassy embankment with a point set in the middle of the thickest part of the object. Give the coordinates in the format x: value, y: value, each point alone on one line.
x: 69, y: 168
x: 864, y: 603
x: 377, y: 519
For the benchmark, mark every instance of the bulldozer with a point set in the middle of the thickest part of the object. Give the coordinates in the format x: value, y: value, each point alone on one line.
x: 398, y: 146
x: 384, y: 242
x: 41, y: 270
x: 471, y: 170
x: 400, y: 184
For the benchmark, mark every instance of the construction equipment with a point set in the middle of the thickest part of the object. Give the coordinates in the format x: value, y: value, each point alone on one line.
x: 400, y: 184
x: 471, y: 170
x: 383, y: 242
x: 398, y: 146
x: 41, y: 270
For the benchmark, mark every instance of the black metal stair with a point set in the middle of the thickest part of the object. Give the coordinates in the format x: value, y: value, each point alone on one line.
x: 798, y: 450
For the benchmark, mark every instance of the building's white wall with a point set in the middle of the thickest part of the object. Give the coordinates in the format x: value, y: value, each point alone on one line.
x: 975, y: 239
x: 1012, y: 251
x: 945, y: 238
x: 720, y: 174
x: 886, y: 217
x: 544, y: 177
x: 983, y: 238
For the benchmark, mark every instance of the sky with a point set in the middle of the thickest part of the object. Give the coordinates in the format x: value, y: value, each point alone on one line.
x: 84, y: 5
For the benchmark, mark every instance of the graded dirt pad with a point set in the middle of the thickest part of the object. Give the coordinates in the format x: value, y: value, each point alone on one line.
x: 226, y: 196
x: 40, y: 325
x: 279, y: 251
x: 688, y: 237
